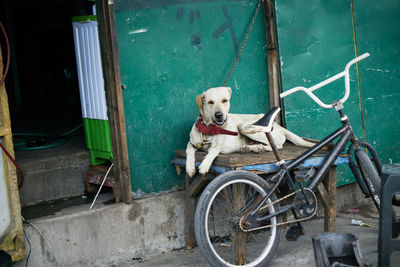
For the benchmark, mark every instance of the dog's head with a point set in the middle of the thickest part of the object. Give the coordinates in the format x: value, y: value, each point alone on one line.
x: 214, y: 105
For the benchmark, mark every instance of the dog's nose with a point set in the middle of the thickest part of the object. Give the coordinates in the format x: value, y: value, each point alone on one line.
x: 219, y: 115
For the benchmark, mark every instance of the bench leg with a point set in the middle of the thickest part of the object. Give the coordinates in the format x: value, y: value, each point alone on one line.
x: 330, y: 210
x: 190, y: 205
x: 327, y: 192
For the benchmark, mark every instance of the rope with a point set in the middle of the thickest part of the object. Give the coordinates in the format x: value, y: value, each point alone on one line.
x: 358, y: 71
x: 244, y: 41
x: 101, y: 186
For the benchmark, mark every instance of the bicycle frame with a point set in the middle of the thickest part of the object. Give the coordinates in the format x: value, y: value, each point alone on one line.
x: 344, y: 134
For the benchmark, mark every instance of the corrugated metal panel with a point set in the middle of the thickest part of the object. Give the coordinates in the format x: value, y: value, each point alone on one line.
x: 318, y: 45
x: 169, y: 52
x: 90, y: 73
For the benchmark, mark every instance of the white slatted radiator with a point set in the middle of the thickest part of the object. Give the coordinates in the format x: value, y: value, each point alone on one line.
x: 91, y: 88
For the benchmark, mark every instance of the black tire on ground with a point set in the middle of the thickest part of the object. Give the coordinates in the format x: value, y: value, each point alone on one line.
x: 217, y: 216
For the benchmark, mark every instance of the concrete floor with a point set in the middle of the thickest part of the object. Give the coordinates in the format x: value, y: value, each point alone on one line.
x: 298, y: 253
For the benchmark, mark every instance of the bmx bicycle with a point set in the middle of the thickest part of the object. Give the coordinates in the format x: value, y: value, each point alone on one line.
x: 238, y: 218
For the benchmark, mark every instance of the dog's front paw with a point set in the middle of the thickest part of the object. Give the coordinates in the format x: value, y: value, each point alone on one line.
x: 190, y: 171
x: 244, y: 149
x: 203, y: 168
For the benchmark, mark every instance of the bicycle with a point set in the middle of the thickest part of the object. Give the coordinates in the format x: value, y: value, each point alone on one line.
x: 238, y: 218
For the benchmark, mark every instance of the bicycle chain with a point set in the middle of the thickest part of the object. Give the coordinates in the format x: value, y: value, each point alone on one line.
x: 282, y: 223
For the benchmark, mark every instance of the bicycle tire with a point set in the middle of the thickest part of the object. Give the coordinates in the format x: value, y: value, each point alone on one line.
x: 217, y: 221
x: 370, y: 175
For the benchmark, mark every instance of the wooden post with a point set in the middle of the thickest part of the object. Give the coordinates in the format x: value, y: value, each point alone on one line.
x: 330, y: 213
x: 274, y: 69
x: 112, y: 76
x: 190, y: 207
x: 240, y: 237
x: 327, y: 191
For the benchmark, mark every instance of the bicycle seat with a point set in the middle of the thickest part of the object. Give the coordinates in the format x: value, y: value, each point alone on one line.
x: 268, y: 119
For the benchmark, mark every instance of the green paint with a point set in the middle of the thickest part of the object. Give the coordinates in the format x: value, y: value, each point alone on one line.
x: 84, y: 18
x: 168, y: 55
x: 98, y: 140
x: 316, y: 46
x: 378, y: 32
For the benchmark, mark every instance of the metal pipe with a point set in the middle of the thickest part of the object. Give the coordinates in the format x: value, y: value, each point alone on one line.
x: 317, y: 147
x: 273, y: 146
x: 281, y: 173
x: 341, y: 143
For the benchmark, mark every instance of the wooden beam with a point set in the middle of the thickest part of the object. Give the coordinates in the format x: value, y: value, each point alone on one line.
x: 13, y: 242
x: 112, y: 76
x: 274, y: 70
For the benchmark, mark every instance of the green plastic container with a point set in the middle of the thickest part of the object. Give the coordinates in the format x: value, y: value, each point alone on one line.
x: 98, y: 140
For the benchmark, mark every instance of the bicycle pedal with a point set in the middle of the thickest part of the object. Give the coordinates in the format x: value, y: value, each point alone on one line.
x: 304, y: 174
x: 294, y: 232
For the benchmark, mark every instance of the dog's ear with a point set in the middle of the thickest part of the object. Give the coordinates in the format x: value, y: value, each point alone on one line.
x: 229, y: 90
x: 199, y: 102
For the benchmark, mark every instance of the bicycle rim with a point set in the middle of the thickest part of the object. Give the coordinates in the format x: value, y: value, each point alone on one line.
x: 227, y: 243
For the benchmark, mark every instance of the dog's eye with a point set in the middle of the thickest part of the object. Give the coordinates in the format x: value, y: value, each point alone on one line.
x: 211, y: 102
x: 224, y: 100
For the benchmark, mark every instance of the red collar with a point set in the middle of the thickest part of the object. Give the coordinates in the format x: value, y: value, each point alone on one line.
x: 212, y: 129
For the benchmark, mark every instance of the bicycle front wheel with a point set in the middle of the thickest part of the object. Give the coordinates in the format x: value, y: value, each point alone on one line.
x: 370, y: 175
x: 223, y: 202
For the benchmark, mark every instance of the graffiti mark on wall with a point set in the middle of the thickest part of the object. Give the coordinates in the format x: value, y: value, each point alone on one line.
x: 195, y: 39
x: 228, y: 25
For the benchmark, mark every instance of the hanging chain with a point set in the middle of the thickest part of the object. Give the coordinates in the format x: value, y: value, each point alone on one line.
x: 281, y: 223
x: 244, y: 41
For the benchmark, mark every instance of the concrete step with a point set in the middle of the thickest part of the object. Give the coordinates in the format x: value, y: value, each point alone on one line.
x: 113, y: 233
x: 53, y: 173
x: 77, y: 236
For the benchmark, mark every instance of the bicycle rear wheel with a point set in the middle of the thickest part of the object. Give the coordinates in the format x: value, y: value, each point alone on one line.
x: 218, y: 234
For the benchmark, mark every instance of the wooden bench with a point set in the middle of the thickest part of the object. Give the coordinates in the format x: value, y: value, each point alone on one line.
x: 263, y: 163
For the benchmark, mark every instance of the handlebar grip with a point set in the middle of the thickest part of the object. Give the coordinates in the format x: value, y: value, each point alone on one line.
x: 291, y: 91
x: 359, y: 58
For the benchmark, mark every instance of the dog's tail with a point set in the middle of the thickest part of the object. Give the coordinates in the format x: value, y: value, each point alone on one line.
x: 295, y: 139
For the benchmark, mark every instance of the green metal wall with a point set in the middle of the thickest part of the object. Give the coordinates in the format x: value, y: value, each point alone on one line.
x: 316, y: 39
x: 170, y: 51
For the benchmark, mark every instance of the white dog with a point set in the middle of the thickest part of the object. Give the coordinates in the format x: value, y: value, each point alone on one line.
x: 217, y: 131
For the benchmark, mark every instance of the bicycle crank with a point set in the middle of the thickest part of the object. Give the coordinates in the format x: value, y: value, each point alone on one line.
x: 306, y: 206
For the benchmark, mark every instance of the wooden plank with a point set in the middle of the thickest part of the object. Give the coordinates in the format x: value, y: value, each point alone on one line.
x: 289, y: 151
x: 112, y: 75
x: 95, y: 175
x: 274, y: 70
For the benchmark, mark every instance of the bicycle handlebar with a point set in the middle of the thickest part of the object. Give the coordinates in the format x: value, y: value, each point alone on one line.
x: 344, y: 73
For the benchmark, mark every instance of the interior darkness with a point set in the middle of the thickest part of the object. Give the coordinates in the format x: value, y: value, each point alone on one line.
x: 42, y: 83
